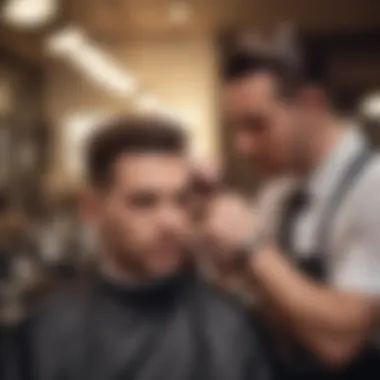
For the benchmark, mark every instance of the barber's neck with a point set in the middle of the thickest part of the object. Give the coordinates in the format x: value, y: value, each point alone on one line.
x: 328, y: 138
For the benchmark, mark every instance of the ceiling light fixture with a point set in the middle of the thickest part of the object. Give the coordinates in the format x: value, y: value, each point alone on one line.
x: 65, y: 41
x: 103, y: 70
x: 29, y: 13
x: 73, y: 45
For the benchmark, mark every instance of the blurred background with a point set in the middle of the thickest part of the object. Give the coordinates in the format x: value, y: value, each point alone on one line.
x: 65, y: 65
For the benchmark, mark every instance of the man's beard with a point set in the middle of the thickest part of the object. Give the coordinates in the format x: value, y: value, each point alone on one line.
x: 138, y: 264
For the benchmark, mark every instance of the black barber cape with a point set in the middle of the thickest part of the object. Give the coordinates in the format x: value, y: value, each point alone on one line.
x: 177, y: 329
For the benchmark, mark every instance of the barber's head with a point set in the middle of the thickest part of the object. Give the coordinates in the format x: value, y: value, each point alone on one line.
x: 274, y: 113
x: 139, y: 180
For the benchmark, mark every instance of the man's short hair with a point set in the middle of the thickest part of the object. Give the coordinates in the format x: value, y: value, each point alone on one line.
x: 130, y: 135
x: 246, y: 60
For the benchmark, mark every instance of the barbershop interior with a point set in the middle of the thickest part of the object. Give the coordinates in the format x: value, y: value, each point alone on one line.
x: 66, y: 66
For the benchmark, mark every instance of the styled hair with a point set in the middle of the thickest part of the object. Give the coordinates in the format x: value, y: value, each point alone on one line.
x: 247, y: 59
x: 129, y: 135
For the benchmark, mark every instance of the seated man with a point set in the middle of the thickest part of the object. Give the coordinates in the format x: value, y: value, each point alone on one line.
x: 144, y: 314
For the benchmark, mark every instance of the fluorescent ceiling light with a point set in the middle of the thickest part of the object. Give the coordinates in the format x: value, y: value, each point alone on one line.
x: 65, y: 41
x: 73, y: 45
x: 102, y: 70
x: 371, y: 106
x: 180, y: 12
x: 29, y: 13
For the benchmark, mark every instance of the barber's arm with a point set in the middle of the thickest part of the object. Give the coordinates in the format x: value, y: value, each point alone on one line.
x: 333, y: 322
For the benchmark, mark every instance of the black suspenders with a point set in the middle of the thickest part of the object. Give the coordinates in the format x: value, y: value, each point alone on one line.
x: 316, y: 264
x: 303, y: 365
x: 348, y: 181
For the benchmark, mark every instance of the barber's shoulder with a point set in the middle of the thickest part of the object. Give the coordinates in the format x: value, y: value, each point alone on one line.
x: 367, y: 187
x: 372, y: 171
x: 363, y: 201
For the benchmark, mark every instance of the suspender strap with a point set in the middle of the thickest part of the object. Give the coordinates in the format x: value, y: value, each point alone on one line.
x: 315, y: 265
x: 348, y: 180
x: 305, y: 365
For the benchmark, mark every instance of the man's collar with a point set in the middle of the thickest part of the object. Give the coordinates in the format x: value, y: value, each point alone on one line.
x: 328, y: 174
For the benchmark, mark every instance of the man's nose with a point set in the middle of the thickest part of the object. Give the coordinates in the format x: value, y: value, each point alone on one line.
x: 169, y: 217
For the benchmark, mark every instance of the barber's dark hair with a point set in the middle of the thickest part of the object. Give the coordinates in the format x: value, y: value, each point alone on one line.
x: 247, y: 59
x: 130, y: 135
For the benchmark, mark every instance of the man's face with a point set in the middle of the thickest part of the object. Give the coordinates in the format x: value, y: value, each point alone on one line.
x: 267, y: 130
x: 143, y: 216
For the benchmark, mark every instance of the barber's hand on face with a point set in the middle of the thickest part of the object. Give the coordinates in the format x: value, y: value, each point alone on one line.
x: 229, y: 224
x: 209, y: 172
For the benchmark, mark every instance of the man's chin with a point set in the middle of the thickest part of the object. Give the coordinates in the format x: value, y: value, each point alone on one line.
x: 166, y: 268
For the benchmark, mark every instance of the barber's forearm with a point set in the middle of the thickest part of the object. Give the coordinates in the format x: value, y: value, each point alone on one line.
x: 304, y: 302
x: 333, y: 325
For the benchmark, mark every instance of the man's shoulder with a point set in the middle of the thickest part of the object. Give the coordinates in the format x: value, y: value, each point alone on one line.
x: 226, y: 311
x: 218, y: 296
x: 235, y: 330
x: 70, y: 292
x: 62, y: 308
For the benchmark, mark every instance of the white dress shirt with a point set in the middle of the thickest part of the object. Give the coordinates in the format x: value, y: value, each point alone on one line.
x: 353, y: 246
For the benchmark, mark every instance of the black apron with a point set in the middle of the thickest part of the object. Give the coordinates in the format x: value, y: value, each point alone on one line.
x: 303, y: 364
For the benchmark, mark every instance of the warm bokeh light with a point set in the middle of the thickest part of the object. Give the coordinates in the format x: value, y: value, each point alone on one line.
x: 371, y: 106
x: 29, y: 13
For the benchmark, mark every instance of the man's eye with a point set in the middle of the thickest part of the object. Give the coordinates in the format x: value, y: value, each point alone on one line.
x: 143, y: 201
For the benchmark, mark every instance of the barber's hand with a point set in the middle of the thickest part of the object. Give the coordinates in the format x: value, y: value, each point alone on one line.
x: 229, y: 225
x: 209, y: 172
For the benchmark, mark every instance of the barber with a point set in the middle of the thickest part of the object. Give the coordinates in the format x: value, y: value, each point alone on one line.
x: 316, y: 259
